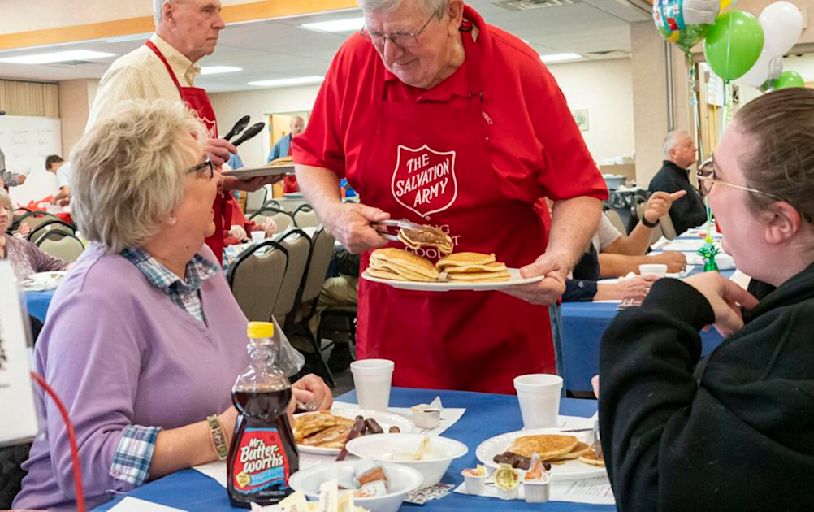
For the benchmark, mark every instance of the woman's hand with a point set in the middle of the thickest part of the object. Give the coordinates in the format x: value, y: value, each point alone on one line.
x: 636, y: 288
x: 675, y: 261
x: 311, y: 389
x: 726, y: 299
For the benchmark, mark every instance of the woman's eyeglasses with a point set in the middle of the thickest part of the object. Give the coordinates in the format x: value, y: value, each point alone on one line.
x: 202, y: 167
x: 707, y: 177
x: 403, y: 40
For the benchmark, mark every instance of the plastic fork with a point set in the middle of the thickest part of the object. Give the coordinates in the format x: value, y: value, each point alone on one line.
x: 310, y: 405
x: 596, y: 444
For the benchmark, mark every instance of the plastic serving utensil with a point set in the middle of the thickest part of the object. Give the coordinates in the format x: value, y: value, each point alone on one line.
x: 249, y: 133
x: 239, y: 126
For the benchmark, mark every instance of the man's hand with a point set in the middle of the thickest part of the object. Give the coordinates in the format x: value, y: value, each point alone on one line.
x: 726, y: 299
x: 555, y: 269
x: 21, y: 179
x: 675, y: 261
x: 219, y: 151
x: 659, y: 204
x: 351, y: 223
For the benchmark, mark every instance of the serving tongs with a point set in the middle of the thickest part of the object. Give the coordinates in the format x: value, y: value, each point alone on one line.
x: 248, y: 134
x: 389, y: 229
x: 239, y: 126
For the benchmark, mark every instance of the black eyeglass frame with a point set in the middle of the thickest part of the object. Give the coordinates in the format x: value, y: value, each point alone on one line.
x: 202, y: 166
x: 373, y: 36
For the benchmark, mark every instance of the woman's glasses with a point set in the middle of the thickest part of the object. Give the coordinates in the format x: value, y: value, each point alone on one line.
x: 707, y: 177
x: 403, y: 40
x: 202, y: 167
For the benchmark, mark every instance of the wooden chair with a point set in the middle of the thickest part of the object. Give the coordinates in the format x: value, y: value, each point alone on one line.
x: 256, y: 277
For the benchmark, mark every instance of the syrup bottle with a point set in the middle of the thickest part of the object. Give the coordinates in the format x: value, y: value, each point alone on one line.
x: 263, y: 454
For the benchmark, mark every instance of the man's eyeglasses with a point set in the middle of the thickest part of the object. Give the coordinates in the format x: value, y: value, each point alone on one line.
x: 401, y: 39
x: 707, y: 177
x: 201, y: 169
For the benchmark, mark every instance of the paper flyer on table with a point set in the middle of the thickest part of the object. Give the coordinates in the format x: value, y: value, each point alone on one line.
x: 595, y: 491
x: 130, y: 504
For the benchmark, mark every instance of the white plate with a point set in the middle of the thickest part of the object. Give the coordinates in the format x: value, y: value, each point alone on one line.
x: 514, y: 279
x: 571, y: 470
x: 385, y: 419
x: 245, y: 173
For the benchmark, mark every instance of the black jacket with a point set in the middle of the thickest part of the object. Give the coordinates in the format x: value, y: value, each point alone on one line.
x: 689, y: 211
x: 733, y: 432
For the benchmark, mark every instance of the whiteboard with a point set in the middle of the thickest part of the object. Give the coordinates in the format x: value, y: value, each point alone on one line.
x: 26, y: 141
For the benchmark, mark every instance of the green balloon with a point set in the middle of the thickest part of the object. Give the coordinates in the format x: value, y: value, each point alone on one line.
x: 733, y: 44
x: 789, y: 79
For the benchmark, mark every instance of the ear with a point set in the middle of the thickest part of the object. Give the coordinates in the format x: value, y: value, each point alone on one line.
x: 166, y: 13
x: 783, y: 222
x: 455, y: 10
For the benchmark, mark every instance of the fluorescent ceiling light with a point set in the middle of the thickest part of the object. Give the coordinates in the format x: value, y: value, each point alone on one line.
x: 216, y: 70
x: 50, y: 58
x: 559, y: 57
x: 286, y: 82
x: 343, y: 25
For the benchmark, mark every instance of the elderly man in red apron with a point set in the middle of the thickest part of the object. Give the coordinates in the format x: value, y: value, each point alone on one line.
x: 439, y: 118
x: 164, y: 68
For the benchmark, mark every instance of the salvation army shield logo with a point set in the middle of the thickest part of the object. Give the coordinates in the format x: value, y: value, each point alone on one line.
x: 424, y: 180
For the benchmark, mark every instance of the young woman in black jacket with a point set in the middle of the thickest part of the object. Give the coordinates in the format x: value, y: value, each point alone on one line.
x: 733, y: 431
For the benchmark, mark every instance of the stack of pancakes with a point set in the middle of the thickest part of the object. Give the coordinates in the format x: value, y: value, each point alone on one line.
x: 426, y: 236
x: 553, y: 448
x: 322, y: 429
x: 472, y: 267
x: 401, y: 265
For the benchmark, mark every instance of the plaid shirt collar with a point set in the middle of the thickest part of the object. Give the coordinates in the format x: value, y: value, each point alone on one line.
x: 199, y: 269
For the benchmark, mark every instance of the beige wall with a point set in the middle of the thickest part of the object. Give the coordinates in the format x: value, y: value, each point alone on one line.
x: 648, y: 64
x: 75, y: 99
x: 229, y: 107
x: 605, y: 89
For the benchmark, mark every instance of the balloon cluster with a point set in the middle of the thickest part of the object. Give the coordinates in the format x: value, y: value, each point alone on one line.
x: 737, y: 45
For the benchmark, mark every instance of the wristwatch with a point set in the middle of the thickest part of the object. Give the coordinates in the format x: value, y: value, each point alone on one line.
x: 218, y: 436
x: 649, y: 224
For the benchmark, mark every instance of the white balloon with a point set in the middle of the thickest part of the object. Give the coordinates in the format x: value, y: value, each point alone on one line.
x: 782, y: 24
x: 775, y: 67
x: 758, y: 73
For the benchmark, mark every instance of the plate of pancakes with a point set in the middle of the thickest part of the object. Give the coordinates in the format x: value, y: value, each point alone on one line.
x: 326, y: 432
x: 456, y: 271
x: 570, y: 455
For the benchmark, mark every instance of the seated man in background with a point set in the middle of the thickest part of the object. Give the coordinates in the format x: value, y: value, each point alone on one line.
x: 680, y: 153
x: 56, y: 165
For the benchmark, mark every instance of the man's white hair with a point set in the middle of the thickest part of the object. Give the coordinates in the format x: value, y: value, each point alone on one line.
x: 430, y: 6
x: 158, y: 7
x: 671, y: 140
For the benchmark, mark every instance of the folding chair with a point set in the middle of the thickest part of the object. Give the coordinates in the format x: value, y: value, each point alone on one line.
x: 306, y: 217
x: 298, y: 245
x: 256, y: 277
x: 61, y: 244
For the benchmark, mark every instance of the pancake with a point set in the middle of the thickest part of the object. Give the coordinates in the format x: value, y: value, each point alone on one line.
x: 579, y: 450
x: 495, y: 266
x: 426, y: 236
x: 465, y: 259
x: 331, y: 437
x: 480, y: 277
x: 384, y: 274
x: 591, y: 458
x: 307, y: 424
x: 403, y: 263
x: 548, y: 446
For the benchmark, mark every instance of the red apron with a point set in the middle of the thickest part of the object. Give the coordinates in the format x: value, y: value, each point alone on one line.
x: 477, y: 341
x: 196, y: 99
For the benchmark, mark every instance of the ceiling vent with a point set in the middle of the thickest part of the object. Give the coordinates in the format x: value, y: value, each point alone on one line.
x: 525, y: 5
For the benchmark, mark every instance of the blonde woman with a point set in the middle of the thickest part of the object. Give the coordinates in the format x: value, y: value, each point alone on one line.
x: 143, y: 340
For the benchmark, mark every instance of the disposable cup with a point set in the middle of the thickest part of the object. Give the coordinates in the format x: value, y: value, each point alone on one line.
x: 258, y: 236
x: 372, y: 379
x: 539, y: 397
x: 653, y: 269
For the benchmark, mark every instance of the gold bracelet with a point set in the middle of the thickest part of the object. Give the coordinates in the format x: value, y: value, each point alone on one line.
x: 218, y: 436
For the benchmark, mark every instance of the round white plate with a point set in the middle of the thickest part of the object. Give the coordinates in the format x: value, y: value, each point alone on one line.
x: 444, y: 286
x: 385, y: 419
x: 245, y: 173
x: 571, y: 470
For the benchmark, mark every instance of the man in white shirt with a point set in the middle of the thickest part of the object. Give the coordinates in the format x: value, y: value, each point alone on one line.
x: 165, y: 68
x: 57, y: 166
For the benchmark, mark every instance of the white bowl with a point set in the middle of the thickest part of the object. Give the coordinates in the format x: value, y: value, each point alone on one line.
x: 724, y: 262
x: 403, y: 480
x: 432, y: 466
x: 653, y: 269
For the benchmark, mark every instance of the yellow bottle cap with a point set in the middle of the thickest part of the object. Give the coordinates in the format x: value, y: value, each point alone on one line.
x: 260, y: 330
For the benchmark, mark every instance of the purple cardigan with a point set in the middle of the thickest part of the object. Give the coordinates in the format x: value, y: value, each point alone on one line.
x: 26, y: 258
x: 119, y: 352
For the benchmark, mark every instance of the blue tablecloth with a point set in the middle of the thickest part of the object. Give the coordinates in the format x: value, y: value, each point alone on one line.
x: 583, y: 324
x: 38, y: 302
x: 486, y: 415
